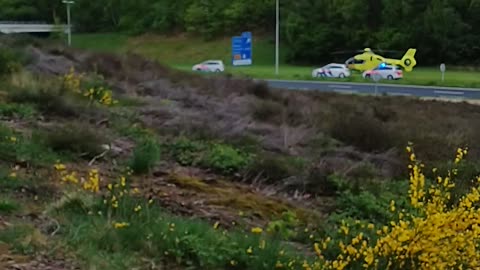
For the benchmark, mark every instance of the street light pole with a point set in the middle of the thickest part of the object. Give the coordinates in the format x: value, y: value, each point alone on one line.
x: 68, y: 3
x: 277, y: 35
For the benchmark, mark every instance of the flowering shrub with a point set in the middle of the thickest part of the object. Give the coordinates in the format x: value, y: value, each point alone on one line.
x: 435, y: 234
x: 73, y: 83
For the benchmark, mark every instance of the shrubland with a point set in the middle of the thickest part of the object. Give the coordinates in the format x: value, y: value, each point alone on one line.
x: 121, y: 163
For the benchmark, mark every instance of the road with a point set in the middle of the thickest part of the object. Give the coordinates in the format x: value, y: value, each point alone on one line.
x: 380, y: 89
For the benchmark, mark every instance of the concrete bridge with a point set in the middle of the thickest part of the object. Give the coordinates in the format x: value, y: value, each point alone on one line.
x: 30, y: 27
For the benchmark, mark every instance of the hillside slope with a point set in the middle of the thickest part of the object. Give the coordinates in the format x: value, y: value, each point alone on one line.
x: 118, y: 162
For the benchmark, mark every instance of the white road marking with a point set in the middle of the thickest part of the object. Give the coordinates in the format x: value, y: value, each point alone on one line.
x: 400, y: 94
x: 340, y: 86
x: 343, y: 91
x: 450, y: 97
x: 449, y: 92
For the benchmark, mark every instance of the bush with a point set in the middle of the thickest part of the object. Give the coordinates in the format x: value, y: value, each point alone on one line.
x: 219, y: 157
x: 145, y: 156
x: 9, y: 61
x: 362, y: 131
x: 225, y: 159
x: 274, y: 168
x: 17, y: 148
x: 428, y: 219
x: 76, y: 138
x: 260, y: 90
x: 17, y: 110
x: 48, y: 102
x: 371, y: 205
x: 268, y: 111
x: 7, y: 206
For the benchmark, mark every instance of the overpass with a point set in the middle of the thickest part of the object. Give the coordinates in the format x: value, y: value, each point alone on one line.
x: 30, y: 27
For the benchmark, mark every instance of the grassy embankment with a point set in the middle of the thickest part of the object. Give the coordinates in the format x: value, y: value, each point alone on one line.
x: 182, y: 53
x: 95, y: 183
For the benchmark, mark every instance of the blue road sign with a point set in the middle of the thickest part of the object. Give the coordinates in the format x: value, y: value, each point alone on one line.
x: 242, y: 50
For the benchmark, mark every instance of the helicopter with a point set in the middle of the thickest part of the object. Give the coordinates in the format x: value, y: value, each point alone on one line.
x: 369, y: 60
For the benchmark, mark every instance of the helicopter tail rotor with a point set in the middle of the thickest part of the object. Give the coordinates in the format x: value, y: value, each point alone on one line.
x: 408, y: 61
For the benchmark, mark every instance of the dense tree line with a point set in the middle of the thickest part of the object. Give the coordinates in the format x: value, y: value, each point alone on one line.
x: 441, y: 30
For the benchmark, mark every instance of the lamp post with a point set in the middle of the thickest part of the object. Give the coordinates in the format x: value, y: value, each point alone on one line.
x: 277, y: 35
x: 68, y: 3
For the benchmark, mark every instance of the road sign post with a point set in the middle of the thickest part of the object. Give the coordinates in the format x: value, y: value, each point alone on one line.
x: 443, y: 68
x: 68, y: 3
x: 376, y: 78
x: 242, y: 50
x: 277, y: 35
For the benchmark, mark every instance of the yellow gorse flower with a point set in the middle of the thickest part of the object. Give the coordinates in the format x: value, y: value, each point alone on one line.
x: 93, y: 182
x: 72, y: 82
x: 120, y: 225
x: 437, y: 235
x: 257, y: 230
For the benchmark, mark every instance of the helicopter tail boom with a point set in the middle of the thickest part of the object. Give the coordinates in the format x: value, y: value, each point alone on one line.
x: 407, y: 62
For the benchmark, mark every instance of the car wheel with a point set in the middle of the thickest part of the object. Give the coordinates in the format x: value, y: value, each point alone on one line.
x: 390, y: 77
x: 217, y: 70
x: 199, y: 69
x: 367, y: 76
x: 341, y: 75
x: 319, y: 75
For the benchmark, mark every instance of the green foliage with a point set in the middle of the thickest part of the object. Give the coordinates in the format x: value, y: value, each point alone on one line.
x: 451, y: 25
x: 226, y: 159
x: 371, y: 201
x: 188, y: 242
x: 23, y: 238
x: 145, y: 156
x: 286, y: 227
x: 274, y: 168
x: 16, y: 110
x: 76, y: 138
x: 49, y: 101
x: 15, y: 147
x: 9, y: 61
x: 268, y: 111
x: 8, y: 206
x: 362, y: 131
x: 219, y: 157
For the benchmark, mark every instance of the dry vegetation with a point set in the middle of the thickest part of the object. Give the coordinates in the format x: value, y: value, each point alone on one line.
x: 216, y: 148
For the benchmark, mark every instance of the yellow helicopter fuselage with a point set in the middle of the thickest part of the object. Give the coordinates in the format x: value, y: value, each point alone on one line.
x: 369, y: 60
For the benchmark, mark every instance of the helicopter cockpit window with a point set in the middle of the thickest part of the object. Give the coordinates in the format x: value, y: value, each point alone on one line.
x: 354, y: 61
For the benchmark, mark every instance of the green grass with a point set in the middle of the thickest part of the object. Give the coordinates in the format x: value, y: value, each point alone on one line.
x: 105, y: 42
x: 153, y: 234
x: 182, y: 52
x: 145, y: 156
x: 8, y: 206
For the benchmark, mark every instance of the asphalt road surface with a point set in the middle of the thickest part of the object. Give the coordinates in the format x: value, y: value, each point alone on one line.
x: 379, y: 89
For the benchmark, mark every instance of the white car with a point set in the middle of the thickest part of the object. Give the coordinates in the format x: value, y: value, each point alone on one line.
x: 332, y: 71
x: 210, y: 66
x: 388, y: 72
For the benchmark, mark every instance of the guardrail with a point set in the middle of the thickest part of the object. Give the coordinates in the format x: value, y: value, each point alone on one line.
x: 31, y: 27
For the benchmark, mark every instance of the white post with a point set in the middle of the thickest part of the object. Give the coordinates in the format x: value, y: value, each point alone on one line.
x: 277, y: 35
x: 69, y: 30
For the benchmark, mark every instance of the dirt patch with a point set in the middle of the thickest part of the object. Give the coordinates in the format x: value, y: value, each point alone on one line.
x: 39, y: 262
x: 192, y: 192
